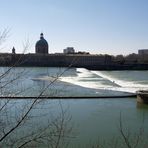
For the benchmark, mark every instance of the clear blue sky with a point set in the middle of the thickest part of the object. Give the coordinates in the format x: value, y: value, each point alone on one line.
x: 97, y: 26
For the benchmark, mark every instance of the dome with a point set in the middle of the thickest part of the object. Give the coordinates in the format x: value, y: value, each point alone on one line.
x: 41, y: 45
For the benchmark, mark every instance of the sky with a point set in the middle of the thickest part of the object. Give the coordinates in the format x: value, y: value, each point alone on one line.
x: 96, y: 26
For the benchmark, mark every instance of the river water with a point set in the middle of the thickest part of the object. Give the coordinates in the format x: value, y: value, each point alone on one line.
x: 91, y: 119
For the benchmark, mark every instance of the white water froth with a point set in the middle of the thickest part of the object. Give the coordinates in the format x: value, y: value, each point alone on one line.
x: 92, y: 79
x: 84, y: 78
x: 127, y: 86
x: 99, y: 80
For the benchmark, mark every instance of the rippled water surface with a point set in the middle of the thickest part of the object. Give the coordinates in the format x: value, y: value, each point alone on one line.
x: 92, y: 119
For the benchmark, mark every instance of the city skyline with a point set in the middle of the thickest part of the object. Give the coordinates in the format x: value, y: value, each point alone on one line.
x: 97, y: 26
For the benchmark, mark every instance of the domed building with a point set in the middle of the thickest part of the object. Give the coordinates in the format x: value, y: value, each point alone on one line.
x: 41, y: 46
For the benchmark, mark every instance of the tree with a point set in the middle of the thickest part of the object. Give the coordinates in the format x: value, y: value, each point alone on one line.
x: 120, y: 59
x: 16, y: 116
x: 126, y: 138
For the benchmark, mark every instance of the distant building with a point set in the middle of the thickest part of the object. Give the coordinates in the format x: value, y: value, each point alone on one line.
x: 143, y: 51
x: 41, y: 46
x: 69, y: 50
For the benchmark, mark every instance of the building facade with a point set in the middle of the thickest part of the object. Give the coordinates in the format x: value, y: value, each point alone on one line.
x: 143, y: 51
x: 69, y: 50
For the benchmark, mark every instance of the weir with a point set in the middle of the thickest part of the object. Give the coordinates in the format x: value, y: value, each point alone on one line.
x: 122, y: 85
x: 103, y: 80
x: 70, y: 97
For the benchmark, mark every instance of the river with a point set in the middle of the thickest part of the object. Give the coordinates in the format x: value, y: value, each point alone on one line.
x: 91, y: 119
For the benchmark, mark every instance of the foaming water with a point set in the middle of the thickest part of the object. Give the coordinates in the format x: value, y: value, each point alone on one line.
x: 88, y: 79
x: 117, y: 81
x: 124, y: 85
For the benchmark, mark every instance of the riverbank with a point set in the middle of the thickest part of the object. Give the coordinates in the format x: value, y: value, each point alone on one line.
x: 88, y: 61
